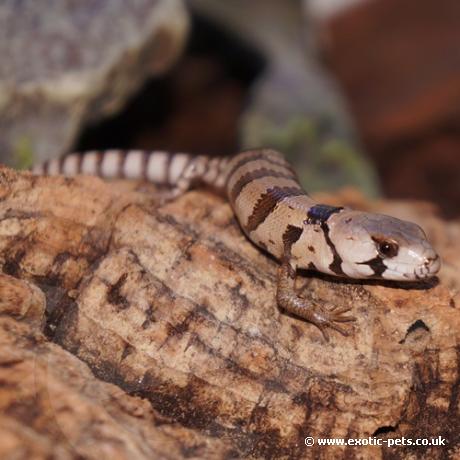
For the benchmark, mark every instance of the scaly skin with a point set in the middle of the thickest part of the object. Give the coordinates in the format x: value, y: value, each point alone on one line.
x: 278, y: 215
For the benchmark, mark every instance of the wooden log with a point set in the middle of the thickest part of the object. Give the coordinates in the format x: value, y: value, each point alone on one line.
x: 162, y: 338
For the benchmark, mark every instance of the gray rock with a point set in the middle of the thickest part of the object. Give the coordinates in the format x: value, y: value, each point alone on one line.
x: 296, y: 106
x: 67, y: 63
x: 294, y: 85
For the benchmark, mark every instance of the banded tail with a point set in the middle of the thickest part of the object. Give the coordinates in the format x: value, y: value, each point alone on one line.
x: 178, y: 170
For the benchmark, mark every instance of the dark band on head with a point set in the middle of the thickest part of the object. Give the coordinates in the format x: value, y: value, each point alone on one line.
x: 376, y: 264
x: 336, y: 264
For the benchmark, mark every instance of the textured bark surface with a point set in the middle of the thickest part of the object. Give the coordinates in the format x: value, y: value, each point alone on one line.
x: 129, y: 330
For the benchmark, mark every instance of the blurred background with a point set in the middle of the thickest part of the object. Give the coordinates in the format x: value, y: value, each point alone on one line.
x: 362, y: 93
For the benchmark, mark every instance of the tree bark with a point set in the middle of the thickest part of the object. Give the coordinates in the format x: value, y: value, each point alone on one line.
x: 133, y: 330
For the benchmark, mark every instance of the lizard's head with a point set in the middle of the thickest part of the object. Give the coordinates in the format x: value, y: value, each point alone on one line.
x: 380, y: 246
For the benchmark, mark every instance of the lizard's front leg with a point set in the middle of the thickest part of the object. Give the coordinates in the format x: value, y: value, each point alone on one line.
x: 290, y: 301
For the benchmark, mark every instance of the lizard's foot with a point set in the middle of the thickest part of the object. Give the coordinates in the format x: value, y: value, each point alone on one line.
x: 289, y: 300
x: 321, y: 317
x: 324, y: 318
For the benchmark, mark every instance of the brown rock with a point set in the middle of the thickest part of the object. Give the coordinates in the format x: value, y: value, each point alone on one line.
x: 22, y: 300
x: 293, y: 85
x: 398, y: 64
x: 174, y: 310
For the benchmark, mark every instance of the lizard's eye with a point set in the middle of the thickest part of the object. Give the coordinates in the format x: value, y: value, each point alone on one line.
x: 387, y: 248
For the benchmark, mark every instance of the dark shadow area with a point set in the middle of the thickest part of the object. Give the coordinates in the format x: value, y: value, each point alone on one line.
x: 196, y: 107
x: 416, y: 329
x: 419, y: 324
x: 383, y: 430
x: 410, y: 285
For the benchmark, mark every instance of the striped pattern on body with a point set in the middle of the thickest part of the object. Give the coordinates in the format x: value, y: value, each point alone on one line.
x: 267, y: 198
x: 279, y: 216
x: 159, y: 167
x: 261, y: 185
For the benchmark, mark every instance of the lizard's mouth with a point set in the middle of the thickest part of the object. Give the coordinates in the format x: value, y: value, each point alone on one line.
x: 424, y: 271
x: 429, y: 268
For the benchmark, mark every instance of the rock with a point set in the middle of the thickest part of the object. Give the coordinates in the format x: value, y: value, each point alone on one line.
x: 294, y: 85
x: 398, y: 79
x: 322, y: 10
x: 296, y: 107
x: 163, y: 338
x: 67, y: 64
x: 399, y: 66
x: 22, y: 300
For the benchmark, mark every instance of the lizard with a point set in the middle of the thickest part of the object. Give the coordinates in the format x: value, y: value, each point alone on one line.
x: 279, y: 217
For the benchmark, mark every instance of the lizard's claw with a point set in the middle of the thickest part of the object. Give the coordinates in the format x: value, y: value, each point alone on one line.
x: 324, y: 318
